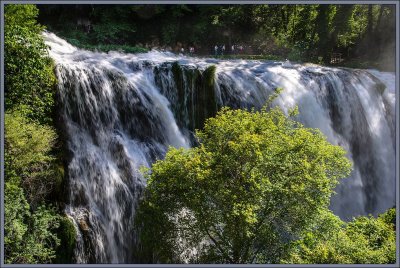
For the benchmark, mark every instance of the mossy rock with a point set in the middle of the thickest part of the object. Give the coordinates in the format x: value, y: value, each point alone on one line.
x: 177, y: 73
x: 380, y: 87
x: 195, y: 90
x: 59, y: 183
x: 209, y: 76
x: 206, y: 100
x: 67, y: 235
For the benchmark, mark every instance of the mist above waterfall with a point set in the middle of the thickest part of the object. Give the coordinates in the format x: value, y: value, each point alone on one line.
x: 122, y: 111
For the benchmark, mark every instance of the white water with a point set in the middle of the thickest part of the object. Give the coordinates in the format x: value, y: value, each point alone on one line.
x: 122, y: 111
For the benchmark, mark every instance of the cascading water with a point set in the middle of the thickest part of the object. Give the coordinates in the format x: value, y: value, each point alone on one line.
x: 122, y: 111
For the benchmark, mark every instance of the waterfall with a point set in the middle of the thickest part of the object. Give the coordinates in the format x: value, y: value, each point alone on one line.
x: 120, y: 112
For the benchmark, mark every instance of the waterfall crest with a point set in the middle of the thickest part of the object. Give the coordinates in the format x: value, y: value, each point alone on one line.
x: 122, y: 111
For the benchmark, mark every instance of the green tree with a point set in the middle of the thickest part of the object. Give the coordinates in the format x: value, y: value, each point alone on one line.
x: 365, y: 240
x: 255, y: 183
x: 341, y: 24
x: 29, y: 76
x: 112, y: 25
x: 30, y: 226
x: 28, y: 158
x: 29, y: 236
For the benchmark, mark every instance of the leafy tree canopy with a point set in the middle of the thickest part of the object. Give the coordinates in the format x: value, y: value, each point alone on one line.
x: 30, y: 226
x: 363, y: 240
x: 256, y: 183
x: 29, y: 76
x: 29, y: 237
x: 28, y: 157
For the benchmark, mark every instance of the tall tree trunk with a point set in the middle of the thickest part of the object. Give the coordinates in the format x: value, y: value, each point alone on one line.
x: 294, y: 24
x: 341, y: 22
x: 321, y: 24
x: 284, y: 25
x: 370, y: 21
x: 368, y: 38
x: 378, y: 22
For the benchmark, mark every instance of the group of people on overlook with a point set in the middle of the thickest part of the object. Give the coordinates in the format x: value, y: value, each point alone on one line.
x: 218, y: 50
x: 191, y: 50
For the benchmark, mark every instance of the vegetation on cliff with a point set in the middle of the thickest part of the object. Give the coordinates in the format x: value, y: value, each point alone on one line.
x: 33, y: 169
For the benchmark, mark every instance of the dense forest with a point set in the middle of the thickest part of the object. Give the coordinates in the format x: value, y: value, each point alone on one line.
x: 37, y: 230
x: 364, y: 35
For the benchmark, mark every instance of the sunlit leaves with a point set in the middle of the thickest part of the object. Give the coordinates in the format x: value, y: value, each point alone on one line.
x: 29, y: 76
x: 366, y: 240
x: 29, y: 236
x: 30, y: 172
x: 28, y: 145
x: 255, y: 183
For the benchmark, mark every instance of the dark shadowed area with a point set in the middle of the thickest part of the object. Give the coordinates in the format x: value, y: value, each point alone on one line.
x: 351, y: 35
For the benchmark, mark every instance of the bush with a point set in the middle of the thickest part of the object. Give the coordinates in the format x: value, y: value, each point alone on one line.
x: 29, y: 237
x: 107, y: 48
x: 298, y: 52
x: 28, y: 158
x: 365, y: 240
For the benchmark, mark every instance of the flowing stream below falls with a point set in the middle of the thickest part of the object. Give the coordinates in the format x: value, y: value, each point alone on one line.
x: 119, y: 112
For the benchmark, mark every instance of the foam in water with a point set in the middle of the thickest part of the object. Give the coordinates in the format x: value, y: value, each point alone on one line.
x: 122, y: 111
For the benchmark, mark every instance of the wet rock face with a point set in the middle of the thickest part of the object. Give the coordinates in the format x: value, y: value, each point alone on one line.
x: 191, y: 94
x: 84, y: 226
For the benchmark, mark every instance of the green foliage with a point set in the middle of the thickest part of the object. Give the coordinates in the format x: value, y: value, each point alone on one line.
x: 108, y: 48
x: 298, y: 52
x: 297, y: 32
x: 110, y: 33
x: 389, y: 217
x: 32, y: 172
x: 113, y: 25
x: 28, y: 158
x: 255, y: 183
x: 30, y: 227
x: 27, y: 142
x: 365, y: 240
x: 102, y: 28
x: 29, y: 236
x: 29, y: 77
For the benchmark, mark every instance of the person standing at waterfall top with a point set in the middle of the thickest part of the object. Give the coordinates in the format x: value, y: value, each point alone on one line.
x: 216, y: 50
x: 222, y: 49
x: 182, y: 51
